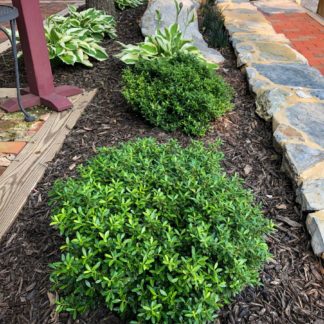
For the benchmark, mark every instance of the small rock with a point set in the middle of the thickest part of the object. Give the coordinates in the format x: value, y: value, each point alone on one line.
x: 247, y: 169
x: 270, y: 102
x: 315, y: 226
x: 299, y: 158
x: 5, y: 159
x: 303, y: 94
x: 311, y: 195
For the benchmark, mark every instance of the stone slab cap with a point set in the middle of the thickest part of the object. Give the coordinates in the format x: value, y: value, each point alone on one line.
x: 315, y: 227
x: 267, y: 53
x: 276, y: 7
x: 237, y: 38
x: 308, y: 118
x: 300, y: 158
x: 168, y: 13
x: 286, y: 134
x: 248, y: 23
x: 311, y: 195
x: 292, y: 75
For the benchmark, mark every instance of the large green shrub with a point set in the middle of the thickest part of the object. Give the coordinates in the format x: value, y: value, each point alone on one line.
x: 177, y: 93
x: 158, y: 233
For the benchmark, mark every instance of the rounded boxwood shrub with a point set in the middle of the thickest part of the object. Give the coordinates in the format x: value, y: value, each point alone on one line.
x: 156, y: 232
x: 177, y: 93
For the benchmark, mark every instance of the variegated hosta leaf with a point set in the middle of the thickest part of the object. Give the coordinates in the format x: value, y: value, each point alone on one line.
x: 164, y: 43
x: 97, y: 22
x: 123, y: 4
x: 75, y: 38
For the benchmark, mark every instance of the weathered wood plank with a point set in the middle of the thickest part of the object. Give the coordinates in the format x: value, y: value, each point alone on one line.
x: 8, y: 93
x: 21, y: 177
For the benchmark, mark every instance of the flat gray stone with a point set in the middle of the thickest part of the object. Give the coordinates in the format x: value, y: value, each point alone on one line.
x: 293, y: 75
x: 256, y: 85
x: 309, y: 118
x: 237, y: 38
x: 270, y: 102
x: 311, y: 195
x: 311, y: 5
x: 168, y: 13
x: 275, y: 7
x: 265, y: 52
x: 318, y: 94
x: 284, y: 134
x: 299, y: 158
x: 315, y: 227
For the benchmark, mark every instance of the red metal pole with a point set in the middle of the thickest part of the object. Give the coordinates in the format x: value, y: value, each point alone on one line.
x: 39, y: 73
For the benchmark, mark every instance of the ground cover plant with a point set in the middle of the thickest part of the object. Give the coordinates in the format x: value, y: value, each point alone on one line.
x: 156, y: 231
x: 177, y: 93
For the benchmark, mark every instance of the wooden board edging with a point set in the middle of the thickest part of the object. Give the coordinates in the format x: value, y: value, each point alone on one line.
x: 23, y: 174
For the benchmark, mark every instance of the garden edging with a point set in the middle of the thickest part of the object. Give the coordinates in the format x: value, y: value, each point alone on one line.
x: 289, y: 93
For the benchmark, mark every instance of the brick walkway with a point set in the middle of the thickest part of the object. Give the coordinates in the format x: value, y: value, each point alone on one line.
x: 305, y: 34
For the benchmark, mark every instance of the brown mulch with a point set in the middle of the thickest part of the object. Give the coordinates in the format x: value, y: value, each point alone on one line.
x: 292, y: 290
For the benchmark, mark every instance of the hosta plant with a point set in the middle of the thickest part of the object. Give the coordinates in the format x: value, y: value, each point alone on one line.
x: 71, y: 44
x: 166, y: 42
x: 179, y: 92
x: 123, y: 4
x: 156, y: 232
x: 95, y: 21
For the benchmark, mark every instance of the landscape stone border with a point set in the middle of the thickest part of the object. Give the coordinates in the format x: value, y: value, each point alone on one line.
x: 290, y: 94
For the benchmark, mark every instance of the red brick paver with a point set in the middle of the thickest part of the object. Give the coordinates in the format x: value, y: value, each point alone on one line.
x: 11, y: 147
x: 305, y: 34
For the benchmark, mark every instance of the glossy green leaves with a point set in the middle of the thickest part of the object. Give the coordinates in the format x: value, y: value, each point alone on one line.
x: 178, y: 93
x: 156, y: 232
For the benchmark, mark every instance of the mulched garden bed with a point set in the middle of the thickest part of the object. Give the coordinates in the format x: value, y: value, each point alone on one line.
x: 292, y: 290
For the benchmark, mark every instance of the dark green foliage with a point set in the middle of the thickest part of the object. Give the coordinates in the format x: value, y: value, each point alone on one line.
x: 213, y: 26
x: 156, y: 232
x: 177, y: 93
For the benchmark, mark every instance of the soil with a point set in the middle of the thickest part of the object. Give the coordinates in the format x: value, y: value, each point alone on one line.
x: 292, y: 288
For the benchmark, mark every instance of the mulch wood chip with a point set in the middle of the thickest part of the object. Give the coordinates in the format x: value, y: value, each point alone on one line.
x: 292, y: 288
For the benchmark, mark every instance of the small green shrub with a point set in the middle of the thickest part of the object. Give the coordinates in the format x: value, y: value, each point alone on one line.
x: 177, y: 93
x: 123, y: 4
x: 158, y: 233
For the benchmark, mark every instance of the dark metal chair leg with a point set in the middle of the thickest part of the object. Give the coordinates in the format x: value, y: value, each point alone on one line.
x: 28, y: 117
